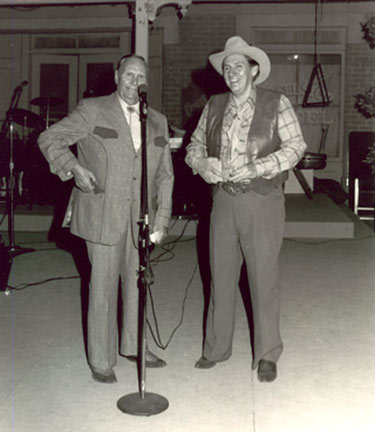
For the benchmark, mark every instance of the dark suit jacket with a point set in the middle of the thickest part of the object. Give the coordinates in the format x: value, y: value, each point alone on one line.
x: 105, y: 147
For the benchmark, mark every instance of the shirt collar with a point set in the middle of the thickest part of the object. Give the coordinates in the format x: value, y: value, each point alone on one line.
x: 125, y: 105
x: 249, y: 101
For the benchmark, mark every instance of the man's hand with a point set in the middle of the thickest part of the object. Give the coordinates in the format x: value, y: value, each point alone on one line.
x: 84, y: 179
x: 243, y: 174
x: 210, y: 170
x: 158, y: 235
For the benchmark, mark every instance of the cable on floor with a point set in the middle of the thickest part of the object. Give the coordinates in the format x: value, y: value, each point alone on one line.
x: 167, y: 249
x: 21, y: 287
x: 169, y: 246
x: 156, y: 333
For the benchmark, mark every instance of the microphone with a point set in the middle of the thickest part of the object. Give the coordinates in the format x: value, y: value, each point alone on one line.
x: 142, y: 92
x: 23, y: 84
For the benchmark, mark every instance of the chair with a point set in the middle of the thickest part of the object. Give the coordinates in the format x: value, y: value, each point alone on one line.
x: 364, y: 199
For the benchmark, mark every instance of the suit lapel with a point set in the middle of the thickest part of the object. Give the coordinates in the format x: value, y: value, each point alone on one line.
x: 113, y: 107
x: 119, y: 120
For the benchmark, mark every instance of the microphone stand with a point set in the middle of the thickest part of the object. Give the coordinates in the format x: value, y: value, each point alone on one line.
x: 143, y: 403
x: 8, y: 126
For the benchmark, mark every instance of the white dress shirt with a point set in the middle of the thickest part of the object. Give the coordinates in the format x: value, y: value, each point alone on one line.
x: 131, y: 113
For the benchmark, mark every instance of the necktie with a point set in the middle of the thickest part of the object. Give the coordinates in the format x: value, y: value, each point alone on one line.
x: 131, y: 110
x: 134, y: 127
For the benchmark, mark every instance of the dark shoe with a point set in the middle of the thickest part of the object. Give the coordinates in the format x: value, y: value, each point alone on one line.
x: 203, y: 363
x: 106, y: 377
x: 152, y: 360
x: 267, y: 371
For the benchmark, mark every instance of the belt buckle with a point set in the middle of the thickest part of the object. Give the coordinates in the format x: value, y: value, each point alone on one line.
x: 230, y: 188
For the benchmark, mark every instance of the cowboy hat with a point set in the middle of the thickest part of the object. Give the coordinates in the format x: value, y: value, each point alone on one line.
x: 236, y: 45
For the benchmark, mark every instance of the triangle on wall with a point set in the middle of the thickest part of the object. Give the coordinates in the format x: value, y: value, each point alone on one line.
x: 316, y: 74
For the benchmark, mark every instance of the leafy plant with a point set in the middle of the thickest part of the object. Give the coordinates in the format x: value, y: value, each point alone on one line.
x: 368, y: 29
x: 365, y: 102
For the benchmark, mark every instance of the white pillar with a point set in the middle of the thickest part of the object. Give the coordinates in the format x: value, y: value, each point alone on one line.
x: 145, y: 11
x: 141, y: 28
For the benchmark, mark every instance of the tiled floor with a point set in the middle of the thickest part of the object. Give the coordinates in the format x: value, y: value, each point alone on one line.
x: 326, y: 374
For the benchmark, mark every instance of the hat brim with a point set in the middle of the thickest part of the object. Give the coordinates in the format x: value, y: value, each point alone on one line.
x: 254, y: 53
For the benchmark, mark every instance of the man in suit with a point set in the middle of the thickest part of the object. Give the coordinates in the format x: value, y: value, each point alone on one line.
x: 245, y: 142
x: 106, y: 205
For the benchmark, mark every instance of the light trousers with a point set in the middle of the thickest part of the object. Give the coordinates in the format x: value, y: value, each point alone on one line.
x: 109, y: 265
x: 247, y: 227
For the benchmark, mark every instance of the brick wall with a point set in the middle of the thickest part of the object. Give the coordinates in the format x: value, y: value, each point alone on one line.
x: 199, y: 36
x: 360, y: 76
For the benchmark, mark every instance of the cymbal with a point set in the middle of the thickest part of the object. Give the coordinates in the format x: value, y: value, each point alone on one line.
x: 44, y: 101
x: 26, y: 118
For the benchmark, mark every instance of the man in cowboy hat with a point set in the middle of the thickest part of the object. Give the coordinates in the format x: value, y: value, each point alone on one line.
x: 245, y: 142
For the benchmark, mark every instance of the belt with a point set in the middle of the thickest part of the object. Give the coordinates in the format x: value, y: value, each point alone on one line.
x: 235, y: 188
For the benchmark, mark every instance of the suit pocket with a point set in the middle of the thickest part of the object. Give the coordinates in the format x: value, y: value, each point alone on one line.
x: 104, y: 132
x: 160, y: 141
x: 69, y: 209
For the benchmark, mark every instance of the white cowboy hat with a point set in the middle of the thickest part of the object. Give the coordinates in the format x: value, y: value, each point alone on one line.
x: 236, y: 45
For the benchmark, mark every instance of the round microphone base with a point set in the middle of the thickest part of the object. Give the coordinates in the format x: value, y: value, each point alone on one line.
x: 148, y: 405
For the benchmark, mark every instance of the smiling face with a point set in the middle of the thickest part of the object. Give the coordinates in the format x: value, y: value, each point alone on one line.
x: 239, y: 75
x: 131, y: 74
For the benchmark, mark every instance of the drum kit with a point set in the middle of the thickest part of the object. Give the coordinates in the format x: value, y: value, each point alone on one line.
x: 31, y: 120
x: 28, y: 161
x: 21, y: 159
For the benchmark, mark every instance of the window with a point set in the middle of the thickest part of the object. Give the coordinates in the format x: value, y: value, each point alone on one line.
x: 290, y: 74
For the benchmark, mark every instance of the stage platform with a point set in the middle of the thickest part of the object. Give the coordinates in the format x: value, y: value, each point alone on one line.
x: 317, y: 218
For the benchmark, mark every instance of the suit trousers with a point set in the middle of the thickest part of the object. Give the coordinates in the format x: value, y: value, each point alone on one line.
x: 248, y: 226
x: 109, y: 265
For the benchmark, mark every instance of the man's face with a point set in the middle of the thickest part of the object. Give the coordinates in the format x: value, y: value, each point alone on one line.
x: 238, y: 74
x: 132, y: 73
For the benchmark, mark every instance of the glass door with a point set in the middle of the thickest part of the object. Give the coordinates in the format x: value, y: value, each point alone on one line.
x: 53, y: 85
x: 96, y: 74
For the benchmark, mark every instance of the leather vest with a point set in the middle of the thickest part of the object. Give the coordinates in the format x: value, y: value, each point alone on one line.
x: 263, y: 136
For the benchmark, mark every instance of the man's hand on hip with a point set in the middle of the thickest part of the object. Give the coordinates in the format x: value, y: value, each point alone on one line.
x: 84, y: 179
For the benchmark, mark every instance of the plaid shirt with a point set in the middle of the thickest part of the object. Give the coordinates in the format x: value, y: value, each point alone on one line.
x: 292, y: 147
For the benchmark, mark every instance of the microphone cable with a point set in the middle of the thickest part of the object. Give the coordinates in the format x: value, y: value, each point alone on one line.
x: 167, y: 249
x: 169, y: 246
x: 156, y: 333
x: 22, y: 286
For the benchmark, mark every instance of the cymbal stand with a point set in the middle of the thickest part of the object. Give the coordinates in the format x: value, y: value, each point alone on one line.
x: 8, y: 126
x: 47, y: 115
x: 143, y: 403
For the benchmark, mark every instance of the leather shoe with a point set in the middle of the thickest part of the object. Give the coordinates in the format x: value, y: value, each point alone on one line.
x: 105, y: 377
x: 203, y: 363
x: 152, y: 360
x: 267, y: 371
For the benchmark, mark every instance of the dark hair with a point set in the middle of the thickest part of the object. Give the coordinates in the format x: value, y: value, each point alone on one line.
x: 129, y: 56
x: 251, y: 63
x: 254, y: 63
